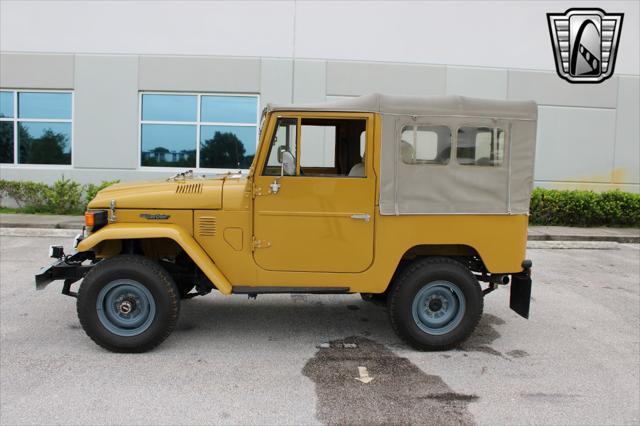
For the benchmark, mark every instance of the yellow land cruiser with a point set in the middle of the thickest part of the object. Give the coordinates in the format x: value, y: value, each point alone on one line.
x: 409, y: 201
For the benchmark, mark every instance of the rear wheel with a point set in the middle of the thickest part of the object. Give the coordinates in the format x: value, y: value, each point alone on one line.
x: 435, y: 304
x: 128, y: 304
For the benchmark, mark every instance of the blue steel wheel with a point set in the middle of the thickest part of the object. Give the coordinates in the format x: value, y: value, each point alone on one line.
x: 128, y: 303
x: 435, y: 303
x: 438, y: 308
x: 125, y: 307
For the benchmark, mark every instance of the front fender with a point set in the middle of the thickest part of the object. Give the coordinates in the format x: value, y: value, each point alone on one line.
x: 128, y: 231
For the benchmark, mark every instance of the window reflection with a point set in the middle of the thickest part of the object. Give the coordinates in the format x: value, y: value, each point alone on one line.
x: 171, y: 145
x: 169, y: 107
x: 223, y: 128
x: 44, y: 105
x: 6, y: 141
x: 229, y: 109
x: 6, y: 104
x: 44, y: 143
x: 227, y: 146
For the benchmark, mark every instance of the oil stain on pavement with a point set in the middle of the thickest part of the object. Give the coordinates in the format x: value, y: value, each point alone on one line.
x: 400, y: 393
x: 483, y: 336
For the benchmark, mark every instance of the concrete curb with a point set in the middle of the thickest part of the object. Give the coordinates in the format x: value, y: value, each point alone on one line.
x: 625, y: 239
x: 70, y: 225
x: 39, y: 232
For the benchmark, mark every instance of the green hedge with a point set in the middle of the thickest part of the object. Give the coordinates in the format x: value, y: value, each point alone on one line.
x: 584, y: 208
x: 63, y: 197
x: 548, y: 206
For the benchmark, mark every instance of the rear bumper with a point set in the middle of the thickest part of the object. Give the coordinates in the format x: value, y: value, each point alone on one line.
x: 61, y: 269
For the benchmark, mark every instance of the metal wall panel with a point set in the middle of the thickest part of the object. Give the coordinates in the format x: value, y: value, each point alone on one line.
x: 549, y: 89
x: 627, y: 148
x: 106, y: 112
x: 477, y: 82
x: 199, y: 74
x: 363, y: 78
x: 36, y: 71
x: 275, y: 81
x: 575, y: 144
x: 309, y: 81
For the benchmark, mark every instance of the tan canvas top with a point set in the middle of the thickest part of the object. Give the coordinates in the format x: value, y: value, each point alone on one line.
x: 409, y: 105
x: 453, y: 187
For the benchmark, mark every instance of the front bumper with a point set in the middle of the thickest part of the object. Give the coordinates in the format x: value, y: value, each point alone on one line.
x: 67, y: 268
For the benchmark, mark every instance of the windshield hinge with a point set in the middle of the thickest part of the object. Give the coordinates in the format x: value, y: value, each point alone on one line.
x: 257, y: 244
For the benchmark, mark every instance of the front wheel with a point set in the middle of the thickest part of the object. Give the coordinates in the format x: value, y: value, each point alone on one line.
x: 128, y: 304
x: 435, y: 304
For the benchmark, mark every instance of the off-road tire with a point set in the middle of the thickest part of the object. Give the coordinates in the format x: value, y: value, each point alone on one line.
x: 146, y: 272
x: 416, y: 276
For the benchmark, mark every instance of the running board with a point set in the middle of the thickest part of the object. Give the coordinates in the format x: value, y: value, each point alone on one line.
x: 280, y: 290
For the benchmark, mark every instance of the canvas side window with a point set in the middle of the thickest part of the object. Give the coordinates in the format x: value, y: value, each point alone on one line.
x: 425, y: 144
x: 480, y: 146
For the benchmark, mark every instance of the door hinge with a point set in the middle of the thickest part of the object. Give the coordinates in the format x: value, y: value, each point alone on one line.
x: 257, y: 191
x: 260, y: 243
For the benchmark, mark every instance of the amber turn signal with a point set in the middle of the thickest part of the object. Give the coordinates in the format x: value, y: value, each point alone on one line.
x: 93, y: 218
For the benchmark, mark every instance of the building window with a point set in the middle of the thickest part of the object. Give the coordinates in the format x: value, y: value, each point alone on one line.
x: 35, y: 127
x: 480, y: 146
x: 198, y: 130
x: 425, y: 144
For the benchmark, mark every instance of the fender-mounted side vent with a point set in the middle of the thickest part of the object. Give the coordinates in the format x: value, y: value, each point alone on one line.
x: 189, y: 188
x: 207, y: 226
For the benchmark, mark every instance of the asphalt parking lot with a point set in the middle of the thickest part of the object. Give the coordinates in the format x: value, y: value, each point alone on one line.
x: 294, y: 359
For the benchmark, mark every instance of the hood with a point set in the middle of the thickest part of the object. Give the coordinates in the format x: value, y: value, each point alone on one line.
x: 162, y: 194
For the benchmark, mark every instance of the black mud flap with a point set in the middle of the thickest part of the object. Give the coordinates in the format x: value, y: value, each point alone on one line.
x: 520, y: 299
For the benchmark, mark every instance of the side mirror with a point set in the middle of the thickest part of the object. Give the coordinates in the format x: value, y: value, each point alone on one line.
x: 281, y: 150
x: 287, y: 168
x: 288, y: 164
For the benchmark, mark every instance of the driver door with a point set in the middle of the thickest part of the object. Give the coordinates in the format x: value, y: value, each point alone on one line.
x: 311, y: 216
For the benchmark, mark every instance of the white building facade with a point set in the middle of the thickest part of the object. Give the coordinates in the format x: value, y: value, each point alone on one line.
x: 132, y: 90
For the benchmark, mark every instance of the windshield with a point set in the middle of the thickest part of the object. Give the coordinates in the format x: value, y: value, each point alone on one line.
x: 260, y: 129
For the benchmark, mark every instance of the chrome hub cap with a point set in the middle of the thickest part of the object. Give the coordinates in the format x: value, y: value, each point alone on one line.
x: 126, y: 307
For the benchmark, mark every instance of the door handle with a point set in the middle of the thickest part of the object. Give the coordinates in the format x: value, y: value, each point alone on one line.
x: 274, y: 188
x: 361, y: 216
